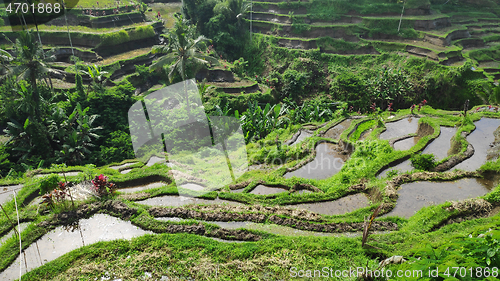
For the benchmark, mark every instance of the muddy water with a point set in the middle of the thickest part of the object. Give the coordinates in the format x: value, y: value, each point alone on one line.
x: 338, y: 207
x: 6, y: 193
x: 328, y: 161
x: 303, y: 135
x: 406, y: 144
x: 402, y: 167
x: 400, y: 128
x: 440, y: 146
x: 336, y: 131
x: 414, y: 196
x: 267, y: 190
x: 480, y: 138
x: 141, y: 187
x: 177, y: 201
x: 62, y: 240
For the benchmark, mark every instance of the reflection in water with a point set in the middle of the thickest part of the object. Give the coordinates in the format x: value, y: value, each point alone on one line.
x: 155, y: 159
x: 406, y: 144
x: 338, y: 207
x: 302, y: 136
x: 62, y: 240
x: 266, y: 190
x: 12, y: 233
x: 142, y: 187
x: 121, y: 166
x: 177, y: 201
x: 480, y: 138
x: 6, y: 193
x: 336, y: 131
x: 414, y: 196
x: 400, y: 128
x: 328, y: 161
x: 442, y: 144
x: 402, y: 167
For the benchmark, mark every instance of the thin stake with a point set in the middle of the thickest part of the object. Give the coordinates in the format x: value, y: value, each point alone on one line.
x: 400, y: 19
x: 13, y: 226
x: 69, y: 190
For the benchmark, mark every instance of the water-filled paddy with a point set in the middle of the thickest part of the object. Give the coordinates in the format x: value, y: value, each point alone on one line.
x: 64, y: 239
x: 400, y: 128
x: 302, y: 136
x: 267, y: 190
x: 337, y: 207
x: 336, y: 131
x: 414, y: 196
x: 480, y: 138
x: 328, y: 161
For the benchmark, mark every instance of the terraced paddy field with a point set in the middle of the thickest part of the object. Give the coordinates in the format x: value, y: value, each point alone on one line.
x: 263, y: 207
x: 340, y: 105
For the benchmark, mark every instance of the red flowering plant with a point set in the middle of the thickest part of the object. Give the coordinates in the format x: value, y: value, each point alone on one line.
x: 412, y: 108
x: 102, y: 186
x: 389, y: 107
x: 57, y: 195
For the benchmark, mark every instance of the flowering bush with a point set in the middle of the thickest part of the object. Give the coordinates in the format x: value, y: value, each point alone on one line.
x: 56, y: 195
x: 101, y: 185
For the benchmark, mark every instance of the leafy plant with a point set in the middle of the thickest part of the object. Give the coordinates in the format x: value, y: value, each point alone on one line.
x: 48, y: 183
x: 102, y: 186
x: 425, y: 162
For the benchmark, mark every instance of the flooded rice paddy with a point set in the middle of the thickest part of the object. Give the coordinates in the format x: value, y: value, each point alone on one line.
x: 400, y: 128
x: 302, y: 136
x: 414, y: 196
x: 480, y: 138
x: 336, y: 131
x: 64, y: 239
x: 340, y: 206
x: 267, y: 190
x: 328, y: 161
x: 6, y: 192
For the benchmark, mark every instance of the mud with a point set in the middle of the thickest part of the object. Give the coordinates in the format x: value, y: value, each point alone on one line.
x: 336, y: 131
x: 328, y: 161
x: 400, y: 128
x: 468, y: 210
x: 416, y: 195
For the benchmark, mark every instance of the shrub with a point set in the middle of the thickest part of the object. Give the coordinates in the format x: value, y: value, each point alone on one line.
x: 102, y: 186
x: 424, y: 162
x: 48, y: 183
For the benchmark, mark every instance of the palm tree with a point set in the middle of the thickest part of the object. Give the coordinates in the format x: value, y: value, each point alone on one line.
x: 183, y: 51
x: 30, y: 63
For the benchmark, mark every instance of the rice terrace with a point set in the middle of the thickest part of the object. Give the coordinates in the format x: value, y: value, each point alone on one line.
x: 250, y: 140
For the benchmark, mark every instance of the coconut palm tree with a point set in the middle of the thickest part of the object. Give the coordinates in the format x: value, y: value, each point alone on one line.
x: 183, y: 51
x: 30, y: 63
